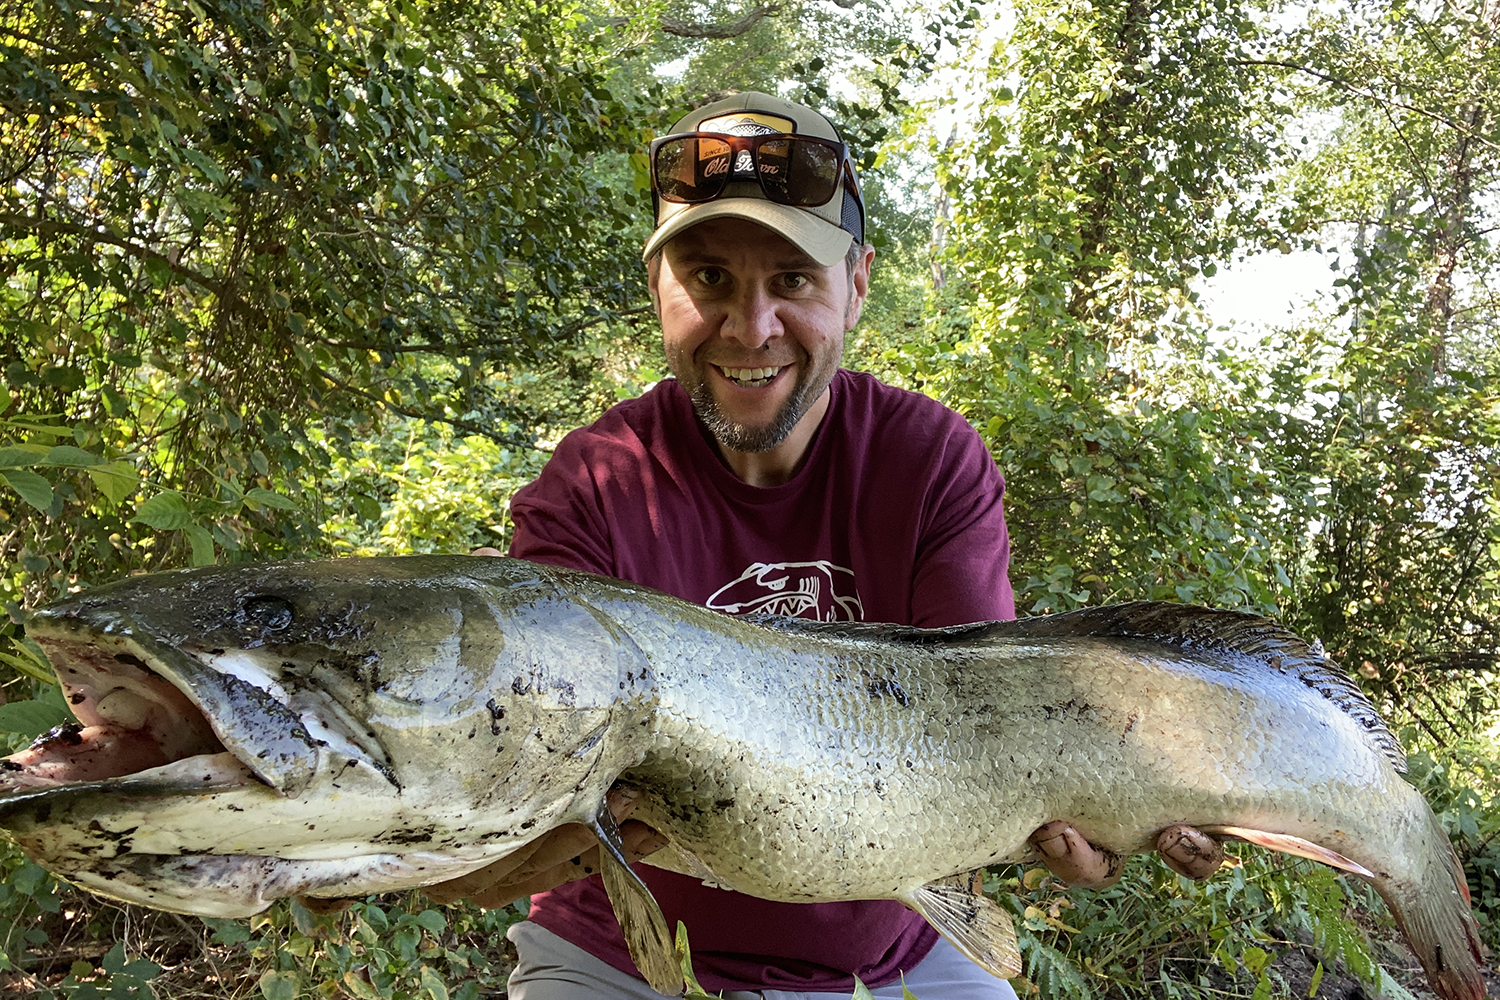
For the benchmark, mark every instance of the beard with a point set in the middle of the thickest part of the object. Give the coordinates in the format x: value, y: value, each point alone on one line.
x: 736, y: 436
x: 748, y: 437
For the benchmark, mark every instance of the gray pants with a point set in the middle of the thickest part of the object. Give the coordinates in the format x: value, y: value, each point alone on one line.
x: 553, y: 969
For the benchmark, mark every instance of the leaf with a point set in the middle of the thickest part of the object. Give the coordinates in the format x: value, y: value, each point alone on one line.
x: 229, y: 931
x: 356, y: 983
x: 433, y: 983
x: 431, y: 921
x: 685, y: 959
x: 21, y: 456
x: 31, y: 718
x: 165, y: 512
x: 861, y: 991
x: 29, y: 659
x: 116, y: 480
x: 34, y: 489
x: 278, y: 985
x: 114, y: 959
x: 68, y: 456
x: 203, y: 544
x: 268, y: 499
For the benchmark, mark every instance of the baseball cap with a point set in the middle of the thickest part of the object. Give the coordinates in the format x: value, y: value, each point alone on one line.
x: 823, y: 232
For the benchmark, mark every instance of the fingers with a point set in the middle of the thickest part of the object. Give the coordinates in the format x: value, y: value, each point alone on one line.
x: 568, y: 840
x: 529, y: 861
x: 1190, y: 852
x: 620, y: 801
x: 638, y: 839
x: 485, y: 550
x: 1074, y: 860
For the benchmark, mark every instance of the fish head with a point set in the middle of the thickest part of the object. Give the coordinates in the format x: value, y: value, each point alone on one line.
x: 327, y: 727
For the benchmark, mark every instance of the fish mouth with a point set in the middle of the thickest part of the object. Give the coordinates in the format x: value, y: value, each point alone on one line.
x: 152, y: 719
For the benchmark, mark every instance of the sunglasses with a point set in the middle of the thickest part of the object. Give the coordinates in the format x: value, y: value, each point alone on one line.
x: 801, y: 171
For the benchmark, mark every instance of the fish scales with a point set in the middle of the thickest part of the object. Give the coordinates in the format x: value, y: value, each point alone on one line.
x: 342, y: 727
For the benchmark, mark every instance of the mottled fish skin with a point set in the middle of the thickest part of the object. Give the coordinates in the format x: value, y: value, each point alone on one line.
x: 453, y: 708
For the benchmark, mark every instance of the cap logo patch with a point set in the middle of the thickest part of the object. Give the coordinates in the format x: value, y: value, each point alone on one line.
x: 748, y: 123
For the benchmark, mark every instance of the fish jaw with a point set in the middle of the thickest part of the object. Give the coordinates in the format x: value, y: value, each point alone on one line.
x: 216, y: 765
x: 116, y: 675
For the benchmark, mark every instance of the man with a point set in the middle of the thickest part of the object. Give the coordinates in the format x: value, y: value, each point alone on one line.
x: 764, y: 478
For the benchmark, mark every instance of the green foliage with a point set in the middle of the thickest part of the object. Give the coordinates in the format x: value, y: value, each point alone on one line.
x: 1155, y: 931
x: 389, y: 947
x: 294, y: 278
x: 1462, y: 784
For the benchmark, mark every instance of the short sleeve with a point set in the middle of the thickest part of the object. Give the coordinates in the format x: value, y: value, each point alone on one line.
x: 559, y: 517
x: 962, y: 569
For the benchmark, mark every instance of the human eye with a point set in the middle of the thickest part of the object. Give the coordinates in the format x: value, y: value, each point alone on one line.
x: 794, y: 281
x: 710, y: 277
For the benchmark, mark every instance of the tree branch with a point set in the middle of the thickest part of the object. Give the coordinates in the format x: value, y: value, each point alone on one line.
x: 1370, y: 95
x: 733, y: 29
x: 54, y: 227
x: 468, y: 427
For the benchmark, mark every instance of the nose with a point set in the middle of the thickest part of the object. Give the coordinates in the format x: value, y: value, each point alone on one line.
x: 751, y: 318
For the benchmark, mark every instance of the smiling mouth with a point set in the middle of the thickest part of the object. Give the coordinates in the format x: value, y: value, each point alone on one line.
x: 751, y: 377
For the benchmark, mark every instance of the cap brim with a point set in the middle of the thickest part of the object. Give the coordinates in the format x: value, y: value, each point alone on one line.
x: 821, y: 240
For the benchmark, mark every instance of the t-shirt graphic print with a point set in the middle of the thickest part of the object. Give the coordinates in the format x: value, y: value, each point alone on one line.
x: 818, y: 590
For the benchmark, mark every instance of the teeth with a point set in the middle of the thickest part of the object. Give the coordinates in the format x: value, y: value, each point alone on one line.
x: 748, y: 374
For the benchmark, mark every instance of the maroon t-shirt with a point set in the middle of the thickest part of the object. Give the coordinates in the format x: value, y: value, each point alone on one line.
x: 894, y: 516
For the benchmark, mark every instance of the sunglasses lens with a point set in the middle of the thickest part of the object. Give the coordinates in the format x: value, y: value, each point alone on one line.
x: 798, y: 172
x: 691, y: 169
x: 791, y: 171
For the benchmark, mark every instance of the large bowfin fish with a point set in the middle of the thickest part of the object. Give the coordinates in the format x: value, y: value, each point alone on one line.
x: 334, y: 728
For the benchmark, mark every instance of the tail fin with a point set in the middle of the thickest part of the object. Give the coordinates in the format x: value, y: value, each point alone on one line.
x: 1433, y: 912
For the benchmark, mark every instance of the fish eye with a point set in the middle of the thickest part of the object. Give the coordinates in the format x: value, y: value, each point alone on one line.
x: 267, y: 612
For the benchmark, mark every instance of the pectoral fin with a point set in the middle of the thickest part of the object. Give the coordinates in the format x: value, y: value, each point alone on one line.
x: 976, y: 925
x: 652, y: 948
x: 1287, y: 844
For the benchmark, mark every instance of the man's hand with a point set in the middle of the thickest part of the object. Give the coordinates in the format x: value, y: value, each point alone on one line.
x: 1075, y: 861
x: 567, y: 853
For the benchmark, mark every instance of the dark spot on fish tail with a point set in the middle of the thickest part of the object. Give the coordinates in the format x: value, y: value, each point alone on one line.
x: 238, y: 809
x: 128, y: 660
x: 497, y: 712
x: 520, y: 686
x: 723, y: 803
x: 528, y: 824
x: 78, y: 699
x: 216, y: 652
x: 472, y: 731
x: 1129, y: 725
x: 11, y: 765
x: 910, y: 764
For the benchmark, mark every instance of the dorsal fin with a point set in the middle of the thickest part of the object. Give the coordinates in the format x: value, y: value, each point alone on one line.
x: 1183, y: 625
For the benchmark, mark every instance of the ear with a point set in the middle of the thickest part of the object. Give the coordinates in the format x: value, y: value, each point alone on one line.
x: 860, y: 277
x: 653, y: 280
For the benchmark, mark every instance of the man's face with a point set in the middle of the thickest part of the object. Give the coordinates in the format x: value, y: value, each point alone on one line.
x: 753, y: 327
